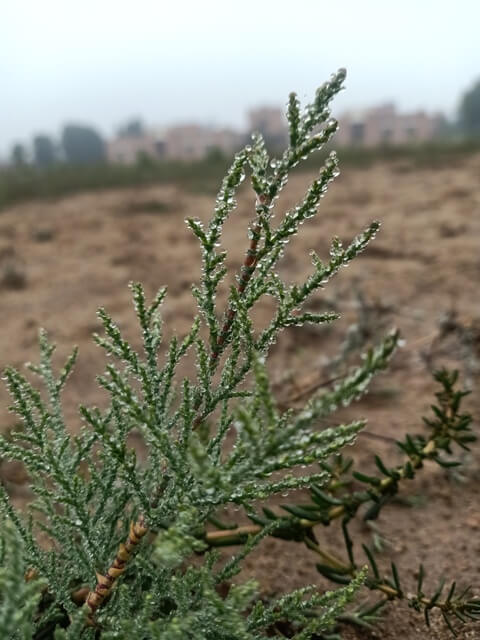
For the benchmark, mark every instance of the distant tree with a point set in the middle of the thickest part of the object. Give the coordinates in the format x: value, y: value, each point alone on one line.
x: 215, y: 154
x: 145, y: 160
x: 470, y: 111
x: 19, y: 155
x: 445, y: 129
x: 132, y: 129
x: 43, y: 151
x: 82, y: 145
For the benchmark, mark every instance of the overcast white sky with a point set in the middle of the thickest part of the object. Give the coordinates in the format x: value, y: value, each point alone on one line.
x: 102, y: 61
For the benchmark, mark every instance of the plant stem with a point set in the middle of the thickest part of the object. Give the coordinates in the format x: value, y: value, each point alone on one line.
x: 106, y: 582
x: 246, y: 273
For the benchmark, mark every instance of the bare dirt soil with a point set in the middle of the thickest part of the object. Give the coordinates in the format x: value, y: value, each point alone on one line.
x: 60, y: 260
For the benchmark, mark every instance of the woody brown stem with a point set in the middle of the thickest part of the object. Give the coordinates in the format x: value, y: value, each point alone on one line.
x: 223, y: 536
x: 106, y: 582
x: 247, y: 270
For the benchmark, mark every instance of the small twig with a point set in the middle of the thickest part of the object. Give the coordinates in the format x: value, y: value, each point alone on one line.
x: 106, y: 582
x: 248, y: 267
x: 376, y: 436
x: 307, y: 391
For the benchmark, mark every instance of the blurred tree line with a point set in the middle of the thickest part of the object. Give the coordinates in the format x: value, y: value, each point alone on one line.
x: 79, y: 145
x: 469, y: 116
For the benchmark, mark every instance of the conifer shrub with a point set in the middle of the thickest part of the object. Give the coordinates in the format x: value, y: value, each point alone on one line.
x: 111, y: 547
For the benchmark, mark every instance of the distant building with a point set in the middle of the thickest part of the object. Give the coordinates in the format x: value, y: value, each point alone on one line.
x: 271, y: 123
x: 227, y: 140
x: 383, y: 126
x: 128, y: 149
x: 193, y: 141
x: 182, y: 142
x: 372, y: 127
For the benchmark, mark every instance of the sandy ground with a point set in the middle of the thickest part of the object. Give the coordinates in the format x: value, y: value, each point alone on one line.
x: 60, y: 260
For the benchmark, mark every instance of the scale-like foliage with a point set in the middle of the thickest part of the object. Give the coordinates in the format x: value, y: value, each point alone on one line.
x: 19, y: 598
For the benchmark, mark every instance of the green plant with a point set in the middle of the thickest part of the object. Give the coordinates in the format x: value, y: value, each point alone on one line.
x: 340, y: 501
x: 121, y: 539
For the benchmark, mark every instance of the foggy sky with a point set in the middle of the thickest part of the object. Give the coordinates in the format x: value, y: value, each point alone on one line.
x: 103, y: 61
